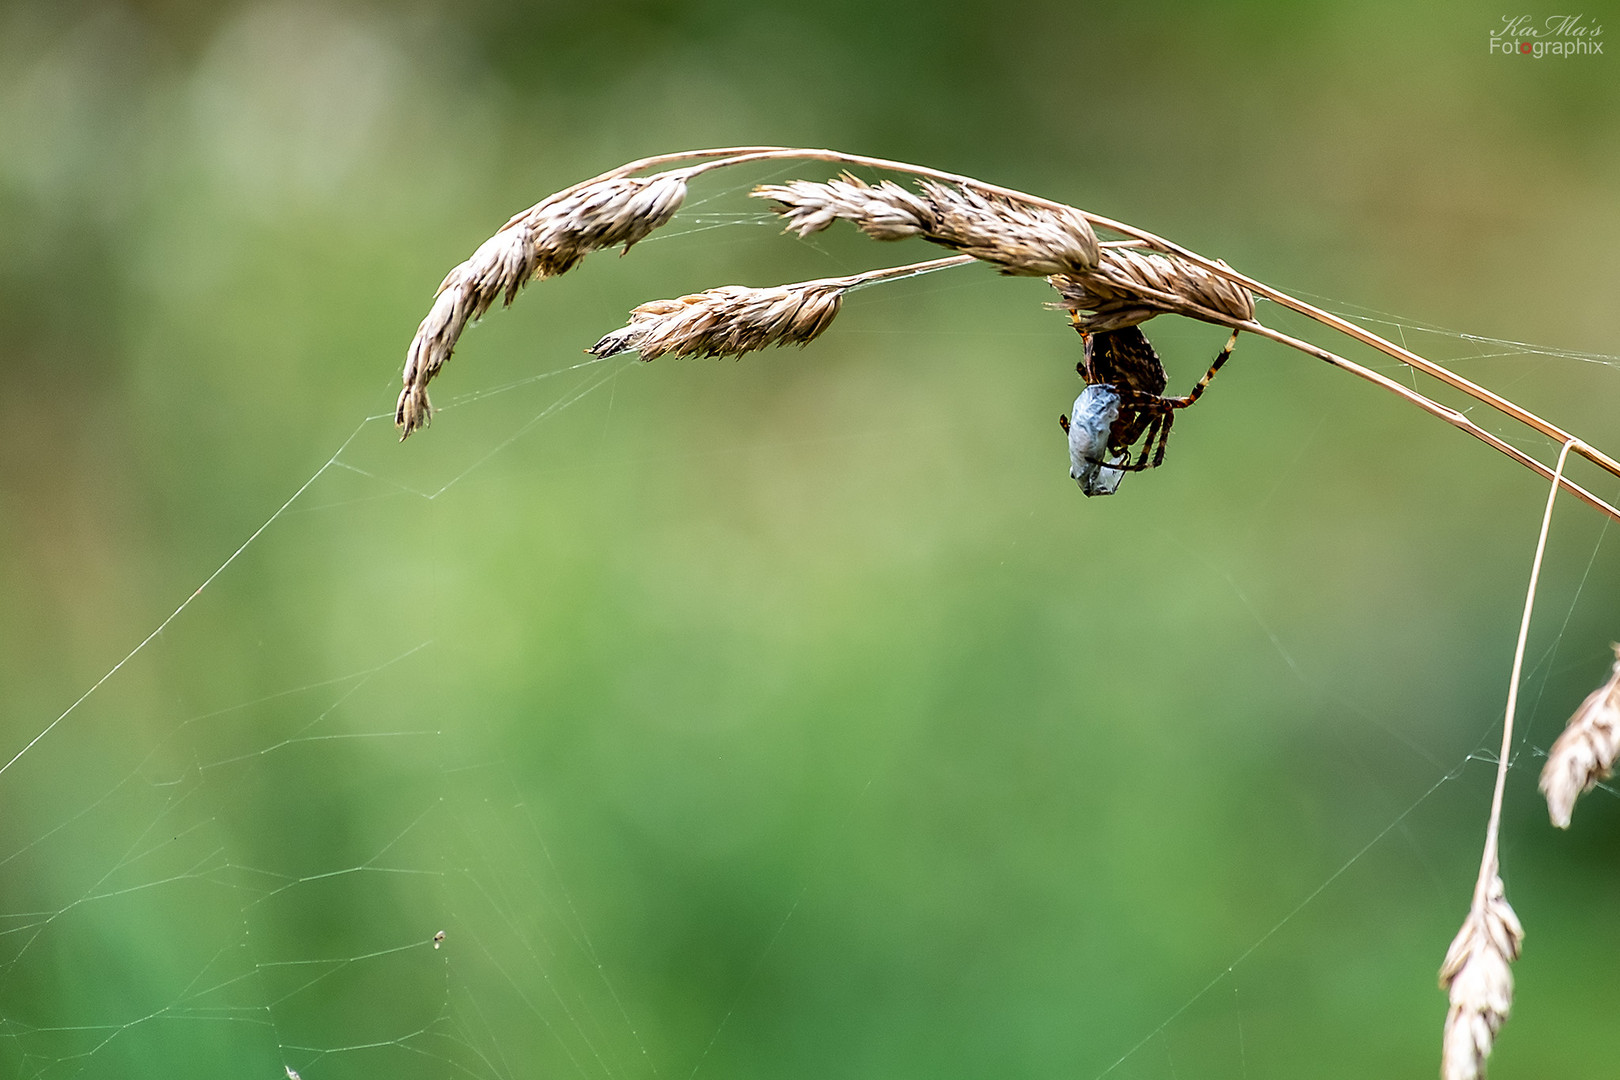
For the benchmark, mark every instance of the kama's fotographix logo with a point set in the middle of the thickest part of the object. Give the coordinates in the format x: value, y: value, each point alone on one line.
x: 1556, y: 35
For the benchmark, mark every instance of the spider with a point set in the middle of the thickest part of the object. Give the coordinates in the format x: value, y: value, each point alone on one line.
x: 1125, y: 360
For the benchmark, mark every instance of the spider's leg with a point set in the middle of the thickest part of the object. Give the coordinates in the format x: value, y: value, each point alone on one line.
x: 1136, y: 414
x: 1164, y: 437
x: 1182, y: 403
x: 1149, y: 433
x: 1155, y: 432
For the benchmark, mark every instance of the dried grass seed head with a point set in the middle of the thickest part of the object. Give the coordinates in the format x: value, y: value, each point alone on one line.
x: 1130, y: 286
x: 884, y: 211
x: 543, y: 241
x: 621, y: 210
x: 1585, y: 753
x: 1021, y: 238
x: 727, y: 321
x: 1478, y: 976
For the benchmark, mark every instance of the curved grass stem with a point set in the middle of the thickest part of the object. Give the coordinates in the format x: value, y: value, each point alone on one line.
x: 722, y: 158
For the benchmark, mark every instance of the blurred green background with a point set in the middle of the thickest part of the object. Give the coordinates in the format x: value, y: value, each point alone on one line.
x: 796, y: 716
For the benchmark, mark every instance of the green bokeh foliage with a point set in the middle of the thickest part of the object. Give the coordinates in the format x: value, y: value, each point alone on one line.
x: 794, y: 716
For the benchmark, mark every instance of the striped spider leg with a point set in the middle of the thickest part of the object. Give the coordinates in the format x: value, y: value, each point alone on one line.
x: 1126, y: 360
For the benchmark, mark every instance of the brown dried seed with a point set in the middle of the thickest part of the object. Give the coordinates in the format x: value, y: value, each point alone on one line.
x: 1476, y: 972
x: 727, y: 321
x: 885, y: 211
x: 1020, y: 238
x: 1130, y: 286
x: 545, y: 240
x: 1585, y: 753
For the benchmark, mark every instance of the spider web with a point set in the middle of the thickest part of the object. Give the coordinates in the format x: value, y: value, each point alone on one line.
x: 262, y: 878
x: 798, y: 715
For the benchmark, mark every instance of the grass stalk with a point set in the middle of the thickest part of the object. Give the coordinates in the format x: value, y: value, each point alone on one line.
x: 721, y: 159
x: 1477, y: 969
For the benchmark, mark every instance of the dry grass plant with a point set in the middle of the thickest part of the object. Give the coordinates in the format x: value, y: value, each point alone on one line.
x: 1105, y: 284
x: 733, y: 319
x: 1585, y: 753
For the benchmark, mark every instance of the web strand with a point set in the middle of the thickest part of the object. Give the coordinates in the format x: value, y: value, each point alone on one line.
x: 461, y: 841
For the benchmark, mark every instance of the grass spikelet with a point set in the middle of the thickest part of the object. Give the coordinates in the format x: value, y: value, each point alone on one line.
x: 1020, y: 238
x: 1476, y: 972
x: 883, y: 211
x: 1130, y: 287
x: 543, y: 241
x: 1585, y: 753
x: 727, y: 321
